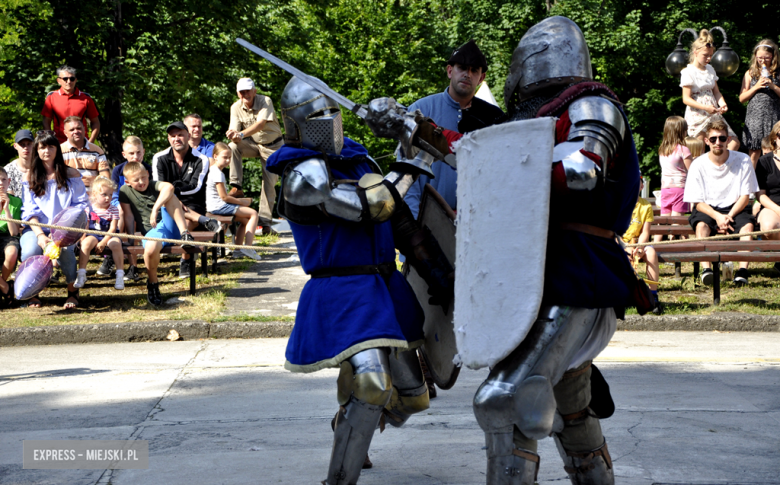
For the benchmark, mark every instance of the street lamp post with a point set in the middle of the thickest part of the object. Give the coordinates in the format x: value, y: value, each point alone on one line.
x: 725, y: 61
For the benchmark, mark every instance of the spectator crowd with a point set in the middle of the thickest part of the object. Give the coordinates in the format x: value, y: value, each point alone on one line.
x: 702, y: 174
x: 724, y: 190
x: 62, y: 166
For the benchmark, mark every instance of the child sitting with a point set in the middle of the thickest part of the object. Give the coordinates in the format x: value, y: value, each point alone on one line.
x: 132, y: 151
x: 159, y: 214
x: 220, y: 203
x: 11, y: 208
x: 102, y: 217
x: 639, y: 232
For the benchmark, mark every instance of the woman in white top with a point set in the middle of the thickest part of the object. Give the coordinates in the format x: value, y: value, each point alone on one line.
x: 700, y: 93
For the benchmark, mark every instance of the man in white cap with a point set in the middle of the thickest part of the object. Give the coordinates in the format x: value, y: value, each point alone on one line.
x: 254, y: 133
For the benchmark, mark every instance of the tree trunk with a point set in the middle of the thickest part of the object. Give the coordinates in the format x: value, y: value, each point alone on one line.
x: 111, y: 124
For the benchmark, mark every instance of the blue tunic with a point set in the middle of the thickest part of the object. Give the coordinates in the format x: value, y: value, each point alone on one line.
x: 339, y: 316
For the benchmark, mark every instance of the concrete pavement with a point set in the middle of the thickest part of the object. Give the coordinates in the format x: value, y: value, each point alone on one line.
x: 693, y: 407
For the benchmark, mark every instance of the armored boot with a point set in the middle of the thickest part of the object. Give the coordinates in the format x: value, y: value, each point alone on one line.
x: 354, y: 429
x: 364, y: 388
x: 589, y: 467
x: 507, y: 464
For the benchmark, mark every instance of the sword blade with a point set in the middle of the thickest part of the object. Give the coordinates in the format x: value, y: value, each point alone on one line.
x: 310, y: 80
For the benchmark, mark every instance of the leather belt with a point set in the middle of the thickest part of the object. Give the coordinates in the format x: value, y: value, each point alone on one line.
x: 383, y: 269
x: 273, y: 142
x: 587, y: 229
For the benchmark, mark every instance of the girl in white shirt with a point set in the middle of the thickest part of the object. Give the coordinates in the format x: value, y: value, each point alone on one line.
x: 219, y: 202
x: 700, y: 93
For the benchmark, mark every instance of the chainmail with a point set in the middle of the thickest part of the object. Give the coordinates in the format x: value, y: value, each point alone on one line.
x: 525, y: 110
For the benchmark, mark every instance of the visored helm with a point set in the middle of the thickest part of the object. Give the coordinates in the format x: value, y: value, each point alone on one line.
x: 311, y: 119
x: 552, y: 53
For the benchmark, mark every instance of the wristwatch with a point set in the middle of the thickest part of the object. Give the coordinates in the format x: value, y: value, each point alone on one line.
x: 240, y: 135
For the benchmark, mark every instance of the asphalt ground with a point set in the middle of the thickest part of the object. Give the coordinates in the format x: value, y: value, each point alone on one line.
x: 692, y: 408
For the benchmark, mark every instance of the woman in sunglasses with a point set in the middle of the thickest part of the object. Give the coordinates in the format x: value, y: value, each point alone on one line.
x: 50, y: 187
x: 760, y: 87
x: 700, y: 93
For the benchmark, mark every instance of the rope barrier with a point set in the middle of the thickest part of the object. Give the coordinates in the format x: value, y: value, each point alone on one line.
x: 156, y: 239
x: 709, y: 238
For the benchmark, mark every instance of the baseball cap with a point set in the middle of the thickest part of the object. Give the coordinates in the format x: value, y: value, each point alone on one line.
x: 468, y: 55
x: 179, y: 125
x: 245, y: 84
x: 23, y: 135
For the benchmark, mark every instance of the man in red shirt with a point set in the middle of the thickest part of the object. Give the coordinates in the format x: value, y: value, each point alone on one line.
x: 69, y: 101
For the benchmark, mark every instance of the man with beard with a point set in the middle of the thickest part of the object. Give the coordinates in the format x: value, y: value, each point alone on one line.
x: 178, y: 165
x: 456, y: 109
x: 719, y: 185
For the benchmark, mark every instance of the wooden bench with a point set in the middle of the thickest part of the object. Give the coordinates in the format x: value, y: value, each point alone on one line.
x: 717, y: 252
x: 206, y: 236
x: 226, y: 221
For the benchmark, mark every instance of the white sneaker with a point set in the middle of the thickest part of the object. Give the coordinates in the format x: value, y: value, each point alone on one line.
x: 237, y: 254
x: 120, y: 280
x: 251, y: 253
x: 81, y: 279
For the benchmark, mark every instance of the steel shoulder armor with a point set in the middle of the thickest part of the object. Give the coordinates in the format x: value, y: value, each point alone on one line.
x: 598, y: 127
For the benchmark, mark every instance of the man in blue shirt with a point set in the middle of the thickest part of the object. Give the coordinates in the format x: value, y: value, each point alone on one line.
x: 456, y: 109
x: 194, y: 124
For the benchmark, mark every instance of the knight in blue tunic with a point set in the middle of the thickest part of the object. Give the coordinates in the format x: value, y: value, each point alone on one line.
x: 357, y: 312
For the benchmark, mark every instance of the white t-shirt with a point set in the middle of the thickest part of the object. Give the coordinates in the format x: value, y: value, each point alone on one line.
x: 720, y: 186
x: 213, y: 200
x: 697, y: 79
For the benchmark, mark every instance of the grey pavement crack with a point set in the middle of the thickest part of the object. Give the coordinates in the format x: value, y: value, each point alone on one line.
x: 107, y: 475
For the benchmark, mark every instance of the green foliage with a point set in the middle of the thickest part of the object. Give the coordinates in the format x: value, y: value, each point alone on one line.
x: 149, y: 62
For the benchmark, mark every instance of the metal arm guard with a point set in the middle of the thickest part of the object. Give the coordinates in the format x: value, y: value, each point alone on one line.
x: 372, y: 199
x: 423, y: 252
x: 597, y: 127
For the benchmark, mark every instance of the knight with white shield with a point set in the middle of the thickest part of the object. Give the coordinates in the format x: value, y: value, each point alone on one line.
x: 539, y: 337
x: 357, y: 312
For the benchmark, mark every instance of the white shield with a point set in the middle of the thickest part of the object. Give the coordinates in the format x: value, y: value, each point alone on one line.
x: 503, y: 194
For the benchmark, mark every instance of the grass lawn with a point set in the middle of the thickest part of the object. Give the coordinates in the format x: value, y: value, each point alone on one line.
x: 682, y: 296
x: 101, y: 303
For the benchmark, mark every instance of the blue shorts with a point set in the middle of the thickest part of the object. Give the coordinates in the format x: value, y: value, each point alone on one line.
x: 166, y: 229
x: 225, y: 210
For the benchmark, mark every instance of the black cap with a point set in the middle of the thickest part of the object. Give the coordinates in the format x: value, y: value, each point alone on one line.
x: 468, y: 55
x: 23, y: 135
x: 179, y: 125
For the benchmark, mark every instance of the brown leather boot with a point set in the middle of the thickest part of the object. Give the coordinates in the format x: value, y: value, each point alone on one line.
x: 428, y: 377
x: 236, y: 192
x: 268, y: 230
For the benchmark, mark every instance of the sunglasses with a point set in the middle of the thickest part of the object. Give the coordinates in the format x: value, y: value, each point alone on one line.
x: 70, y: 78
x: 720, y: 138
x: 42, y: 133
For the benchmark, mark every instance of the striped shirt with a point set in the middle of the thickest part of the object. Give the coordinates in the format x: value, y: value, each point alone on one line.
x: 89, y: 161
x: 100, y: 219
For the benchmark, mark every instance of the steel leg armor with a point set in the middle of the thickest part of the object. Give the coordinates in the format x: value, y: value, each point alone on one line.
x: 517, y: 404
x: 410, y: 393
x: 364, y: 389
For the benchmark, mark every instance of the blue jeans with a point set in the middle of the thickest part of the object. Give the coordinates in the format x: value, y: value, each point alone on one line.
x: 67, y: 260
x: 166, y: 229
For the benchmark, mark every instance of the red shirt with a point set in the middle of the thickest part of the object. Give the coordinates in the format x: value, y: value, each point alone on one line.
x: 59, y: 106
